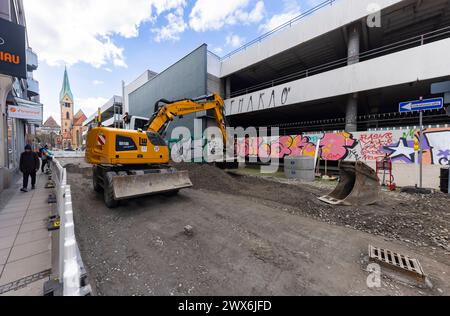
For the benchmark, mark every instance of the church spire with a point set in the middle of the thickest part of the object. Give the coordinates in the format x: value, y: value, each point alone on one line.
x: 65, y: 90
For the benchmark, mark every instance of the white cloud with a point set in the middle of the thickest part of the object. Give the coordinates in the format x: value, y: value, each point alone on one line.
x: 97, y: 82
x: 234, y: 41
x: 90, y: 105
x: 208, y: 15
x: 175, y: 26
x: 81, y: 31
x: 218, y: 50
x: 291, y: 9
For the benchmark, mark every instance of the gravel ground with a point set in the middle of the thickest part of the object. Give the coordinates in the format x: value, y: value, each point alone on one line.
x: 253, y: 236
x: 422, y: 220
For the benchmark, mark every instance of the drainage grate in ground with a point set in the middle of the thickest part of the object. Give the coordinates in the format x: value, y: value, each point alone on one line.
x: 397, y: 261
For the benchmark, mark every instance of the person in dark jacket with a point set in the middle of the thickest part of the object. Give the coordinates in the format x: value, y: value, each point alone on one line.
x: 29, y: 165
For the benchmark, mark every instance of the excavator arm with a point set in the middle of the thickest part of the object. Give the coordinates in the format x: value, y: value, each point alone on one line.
x: 167, y: 112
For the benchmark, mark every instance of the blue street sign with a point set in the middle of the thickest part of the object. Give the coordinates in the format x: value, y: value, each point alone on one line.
x: 422, y: 105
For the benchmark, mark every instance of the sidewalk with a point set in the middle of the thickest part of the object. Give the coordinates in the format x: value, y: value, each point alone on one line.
x: 25, y: 243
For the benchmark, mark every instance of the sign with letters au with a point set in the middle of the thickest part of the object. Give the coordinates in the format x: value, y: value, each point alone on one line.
x: 12, y: 50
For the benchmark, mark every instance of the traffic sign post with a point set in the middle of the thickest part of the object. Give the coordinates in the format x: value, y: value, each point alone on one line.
x: 420, y: 106
x: 421, y: 151
x: 416, y: 160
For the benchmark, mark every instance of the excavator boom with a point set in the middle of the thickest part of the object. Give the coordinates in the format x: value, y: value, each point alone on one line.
x: 185, y: 107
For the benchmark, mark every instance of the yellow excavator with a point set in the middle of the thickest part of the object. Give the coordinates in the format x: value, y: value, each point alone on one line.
x: 129, y: 164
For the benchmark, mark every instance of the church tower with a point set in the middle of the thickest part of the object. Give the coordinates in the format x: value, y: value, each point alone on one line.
x: 67, y: 112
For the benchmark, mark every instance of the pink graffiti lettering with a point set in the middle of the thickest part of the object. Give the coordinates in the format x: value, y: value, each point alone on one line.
x: 335, y: 146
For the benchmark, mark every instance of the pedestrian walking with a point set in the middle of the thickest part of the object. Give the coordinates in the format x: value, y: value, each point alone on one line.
x: 29, y: 165
x: 45, y: 156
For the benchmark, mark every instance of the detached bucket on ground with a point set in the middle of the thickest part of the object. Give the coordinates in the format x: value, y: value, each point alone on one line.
x: 358, y: 186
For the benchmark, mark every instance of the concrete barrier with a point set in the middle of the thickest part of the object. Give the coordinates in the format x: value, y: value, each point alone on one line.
x: 69, y: 154
x: 71, y: 270
x: 300, y: 168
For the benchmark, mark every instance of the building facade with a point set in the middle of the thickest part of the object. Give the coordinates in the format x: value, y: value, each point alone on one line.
x: 20, y: 107
x: 49, y: 133
x: 71, y: 124
x: 191, y: 77
x: 344, y: 65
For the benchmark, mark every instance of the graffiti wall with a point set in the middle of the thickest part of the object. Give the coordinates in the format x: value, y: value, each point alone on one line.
x: 399, y: 145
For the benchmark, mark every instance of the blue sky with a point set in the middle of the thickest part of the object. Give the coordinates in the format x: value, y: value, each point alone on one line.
x: 103, y: 42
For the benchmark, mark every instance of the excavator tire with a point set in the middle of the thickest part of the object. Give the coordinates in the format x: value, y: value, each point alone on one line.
x: 108, y: 191
x: 95, y: 181
x: 172, y: 193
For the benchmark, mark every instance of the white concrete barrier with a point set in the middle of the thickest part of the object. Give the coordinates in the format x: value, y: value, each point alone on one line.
x: 69, y: 154
x: 69, y: 257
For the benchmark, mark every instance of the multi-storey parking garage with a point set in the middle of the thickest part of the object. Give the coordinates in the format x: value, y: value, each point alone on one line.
x: 342, y: 67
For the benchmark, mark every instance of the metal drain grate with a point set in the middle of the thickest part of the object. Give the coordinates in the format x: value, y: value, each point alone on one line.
x: 21, y: 283
x: 397, y: 261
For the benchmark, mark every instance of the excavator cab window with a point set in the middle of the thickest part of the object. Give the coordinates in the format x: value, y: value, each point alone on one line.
x: 124, y: 143
x: 156, y: 139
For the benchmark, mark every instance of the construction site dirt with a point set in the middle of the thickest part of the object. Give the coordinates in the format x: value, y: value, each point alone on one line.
x: 254, y: 236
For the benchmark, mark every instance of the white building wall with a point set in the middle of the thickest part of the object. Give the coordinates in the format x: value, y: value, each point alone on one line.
x: 133, y: 86
x: 341, y: 13
x: 419, y: 63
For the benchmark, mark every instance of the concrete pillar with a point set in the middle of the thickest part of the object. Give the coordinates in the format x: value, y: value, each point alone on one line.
x: 351, y: 113
x: 5, y: 88
x: 354, y: 42
x: 228, y: 88
x: 351, y: 116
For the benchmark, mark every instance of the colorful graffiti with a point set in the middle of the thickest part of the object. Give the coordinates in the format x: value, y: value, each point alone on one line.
x: 333, y: 146
x: 372, y: 145
x: 399, y: 145
x: 365, y: 146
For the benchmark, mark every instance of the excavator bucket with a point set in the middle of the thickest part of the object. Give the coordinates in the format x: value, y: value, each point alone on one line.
x: 149, y: 183
x: 358, y: 186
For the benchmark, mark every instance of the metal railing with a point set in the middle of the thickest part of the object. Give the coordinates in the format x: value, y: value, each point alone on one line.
x: 412, y: 42
x: 70, y: 264
x: 280, y: 28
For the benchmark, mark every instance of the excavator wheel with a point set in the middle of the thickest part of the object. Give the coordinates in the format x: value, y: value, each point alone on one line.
x: 95, y: 182
x: 172, y: 193
x: 108, y: 191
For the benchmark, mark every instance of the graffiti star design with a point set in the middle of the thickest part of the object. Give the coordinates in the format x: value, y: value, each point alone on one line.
x: 401, y: 151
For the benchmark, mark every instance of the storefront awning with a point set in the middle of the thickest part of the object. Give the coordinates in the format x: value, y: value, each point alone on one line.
x: 30, y: 111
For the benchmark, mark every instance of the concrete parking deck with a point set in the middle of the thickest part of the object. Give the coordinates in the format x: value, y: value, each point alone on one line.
x: 25, y: 243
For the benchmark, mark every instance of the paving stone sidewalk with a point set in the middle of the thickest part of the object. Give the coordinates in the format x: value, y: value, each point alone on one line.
x: 25, y: 243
